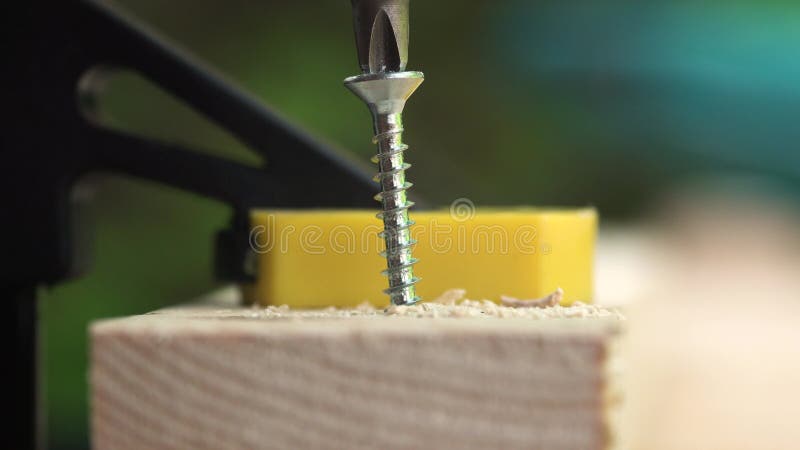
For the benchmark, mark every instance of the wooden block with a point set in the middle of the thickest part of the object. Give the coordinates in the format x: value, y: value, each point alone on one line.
x: 217, y: 376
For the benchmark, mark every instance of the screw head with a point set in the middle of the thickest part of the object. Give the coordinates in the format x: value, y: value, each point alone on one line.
x: 385, y: 93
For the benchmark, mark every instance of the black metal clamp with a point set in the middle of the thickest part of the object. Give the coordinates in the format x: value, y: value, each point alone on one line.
x: 49, y: 141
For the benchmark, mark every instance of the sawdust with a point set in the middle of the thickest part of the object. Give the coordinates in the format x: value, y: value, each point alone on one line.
x: 453, y: 304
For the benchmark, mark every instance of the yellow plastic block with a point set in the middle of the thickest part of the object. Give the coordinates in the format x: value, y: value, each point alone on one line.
x: 322, y: 258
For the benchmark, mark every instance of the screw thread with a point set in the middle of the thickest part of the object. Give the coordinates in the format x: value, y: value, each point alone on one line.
x: 386, y: 94
x: 393, y: 197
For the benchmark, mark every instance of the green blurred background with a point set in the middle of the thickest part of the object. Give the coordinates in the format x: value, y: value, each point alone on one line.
x: 610, y: 103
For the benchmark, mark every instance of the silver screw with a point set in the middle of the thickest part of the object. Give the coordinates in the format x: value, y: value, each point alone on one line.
x: 381, y: 29
x: 385, y: 94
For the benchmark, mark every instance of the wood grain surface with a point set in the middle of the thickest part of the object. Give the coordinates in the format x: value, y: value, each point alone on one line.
x: 219, y: 377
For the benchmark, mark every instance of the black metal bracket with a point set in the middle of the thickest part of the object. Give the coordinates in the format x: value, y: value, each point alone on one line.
x: 52, y: 141
x: 56, y: 53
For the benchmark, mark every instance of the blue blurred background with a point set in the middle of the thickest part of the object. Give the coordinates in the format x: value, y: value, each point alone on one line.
x: 608, y: 103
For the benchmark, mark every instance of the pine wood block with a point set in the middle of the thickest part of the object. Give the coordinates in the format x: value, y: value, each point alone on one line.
x: 218, y: 376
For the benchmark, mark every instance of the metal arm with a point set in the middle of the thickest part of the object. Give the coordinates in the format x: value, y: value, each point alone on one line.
x: 47, y: 144
x: 53, y: 144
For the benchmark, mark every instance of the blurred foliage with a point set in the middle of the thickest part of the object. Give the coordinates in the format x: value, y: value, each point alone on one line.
x: 568, y: 103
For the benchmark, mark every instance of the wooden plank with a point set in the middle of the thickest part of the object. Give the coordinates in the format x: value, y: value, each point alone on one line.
x: 216, y: 376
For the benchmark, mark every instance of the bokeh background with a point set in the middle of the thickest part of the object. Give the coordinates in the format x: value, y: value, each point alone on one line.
x: 677, y: 120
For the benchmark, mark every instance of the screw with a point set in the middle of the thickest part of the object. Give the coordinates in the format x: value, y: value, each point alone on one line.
x: 381, y: 29
x: 385, y: 94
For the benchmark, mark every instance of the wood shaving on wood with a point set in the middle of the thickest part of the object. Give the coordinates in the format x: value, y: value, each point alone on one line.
x: 451, y: 304
x: 545, y: 302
